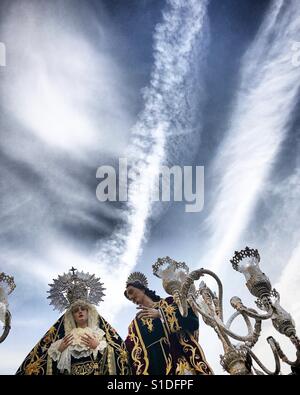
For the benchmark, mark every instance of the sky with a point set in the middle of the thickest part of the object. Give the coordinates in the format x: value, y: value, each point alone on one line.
x: 158, y: 82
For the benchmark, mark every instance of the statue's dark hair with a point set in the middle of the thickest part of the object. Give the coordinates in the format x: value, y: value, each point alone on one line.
x: 151, y: 294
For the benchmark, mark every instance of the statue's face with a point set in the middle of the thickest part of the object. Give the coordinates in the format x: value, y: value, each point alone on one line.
x: 80, y: 314
x: 135, y: 295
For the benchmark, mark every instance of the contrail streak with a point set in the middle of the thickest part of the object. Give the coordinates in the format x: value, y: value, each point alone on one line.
x: 259, y: 124
x: 164, y: 104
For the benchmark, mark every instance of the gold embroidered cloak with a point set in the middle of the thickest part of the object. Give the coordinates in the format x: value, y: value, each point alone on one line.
x: 166, y: 346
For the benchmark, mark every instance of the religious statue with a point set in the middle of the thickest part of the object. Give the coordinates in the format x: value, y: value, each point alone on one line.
x: 81, y: 342
x: 160, y: 340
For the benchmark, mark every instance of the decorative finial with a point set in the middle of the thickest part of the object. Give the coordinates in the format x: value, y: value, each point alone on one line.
x: 240, y: 255
x: 168, y: 263
x: 7, y: 281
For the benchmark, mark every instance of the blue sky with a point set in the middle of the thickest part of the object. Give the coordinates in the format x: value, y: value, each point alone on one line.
x: 207, y: 83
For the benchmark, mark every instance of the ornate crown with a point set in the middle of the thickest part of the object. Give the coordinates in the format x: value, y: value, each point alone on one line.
x: 72, y: 286
x: 137, y: 277
x: 240, y: 255
x: 7, y: 282
x: 168, y: 263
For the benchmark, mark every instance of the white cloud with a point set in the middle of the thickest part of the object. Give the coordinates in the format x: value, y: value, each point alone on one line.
x: 62, y: 87
x: 164, y: 104
x: 263, y: 107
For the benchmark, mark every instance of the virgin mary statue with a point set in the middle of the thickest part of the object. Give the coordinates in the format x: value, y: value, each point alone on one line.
x: 81, y: 342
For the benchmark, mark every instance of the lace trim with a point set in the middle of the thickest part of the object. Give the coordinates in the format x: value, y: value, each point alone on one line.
x: 53, y: 351
x: 76, y: 350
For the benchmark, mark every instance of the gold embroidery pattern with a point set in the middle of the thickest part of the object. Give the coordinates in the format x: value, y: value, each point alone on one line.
x: 122, y: 360
x: 148, y: 322
x: 110, y: 333
x: 141, y: 363
x: 121, y: 355
x: 196, y: 356
x: 183, y: 367
x: 110, y: 360
x: 35, y: 364
x: 169, y: 364
x: 49, y: 365
x: 170, y: 316
x: 84, y: 369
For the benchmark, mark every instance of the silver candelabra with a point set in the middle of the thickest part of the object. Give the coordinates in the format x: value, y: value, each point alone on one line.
x: 238, y: 359
x: 7, y: 285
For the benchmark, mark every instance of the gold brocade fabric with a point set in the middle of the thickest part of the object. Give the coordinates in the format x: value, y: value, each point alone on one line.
x: 114, y: 359
x: 168, y: 346
x: 86, y: 369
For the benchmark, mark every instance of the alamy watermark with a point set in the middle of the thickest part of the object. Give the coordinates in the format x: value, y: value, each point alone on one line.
x: 296, y: 53
x: 171, y: 183
x: 2, y: 54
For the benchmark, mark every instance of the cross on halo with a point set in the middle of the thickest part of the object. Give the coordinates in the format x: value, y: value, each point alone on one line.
x: 73, y: 270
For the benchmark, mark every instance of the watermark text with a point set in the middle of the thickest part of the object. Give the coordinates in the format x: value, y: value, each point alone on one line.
x: 174, y: 183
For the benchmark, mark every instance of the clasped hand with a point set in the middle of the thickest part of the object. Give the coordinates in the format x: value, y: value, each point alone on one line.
x: 147, y: 312
x: 88, y: 340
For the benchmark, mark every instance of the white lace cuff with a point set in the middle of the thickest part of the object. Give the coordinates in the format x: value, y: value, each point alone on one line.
x: 63, y: 358
x: 53, y: 351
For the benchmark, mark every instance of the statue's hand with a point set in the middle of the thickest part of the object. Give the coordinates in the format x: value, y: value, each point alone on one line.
x: 66, y: 342
x: 148, y: 312
x: 89, y: 341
